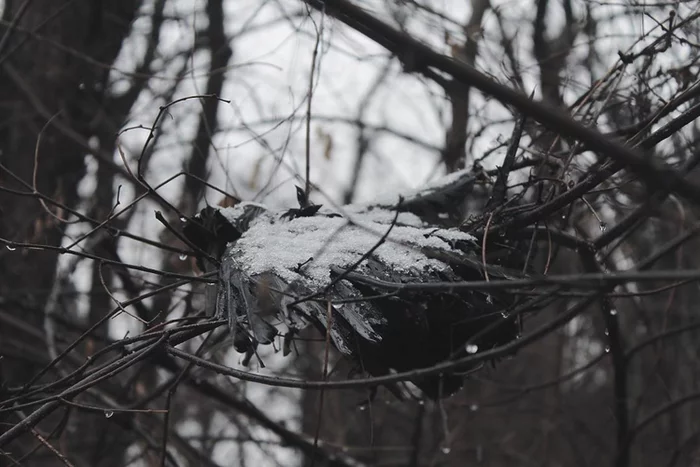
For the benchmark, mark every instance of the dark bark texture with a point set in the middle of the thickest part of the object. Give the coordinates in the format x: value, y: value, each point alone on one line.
x: 55, y: 60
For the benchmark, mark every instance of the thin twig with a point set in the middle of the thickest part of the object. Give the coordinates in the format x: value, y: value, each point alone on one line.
x: 309, y: 99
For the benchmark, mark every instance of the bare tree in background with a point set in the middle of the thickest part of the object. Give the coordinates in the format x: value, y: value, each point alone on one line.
x: 121, y: 119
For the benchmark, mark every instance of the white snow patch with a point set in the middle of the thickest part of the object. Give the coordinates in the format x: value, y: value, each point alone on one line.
x: 375, y: 214
x: 280, y: 246
x: 232, y: 214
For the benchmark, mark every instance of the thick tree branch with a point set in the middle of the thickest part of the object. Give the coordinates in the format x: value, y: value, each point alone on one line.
x: 418, y: 57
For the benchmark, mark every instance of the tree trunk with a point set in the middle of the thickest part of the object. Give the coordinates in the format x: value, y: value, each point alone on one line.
x: 54, y: 60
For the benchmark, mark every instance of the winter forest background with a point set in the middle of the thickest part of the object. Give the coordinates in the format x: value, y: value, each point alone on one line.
x: 113, y: 110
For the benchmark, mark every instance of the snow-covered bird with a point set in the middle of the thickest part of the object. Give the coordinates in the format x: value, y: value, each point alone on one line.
x: 282, y: 271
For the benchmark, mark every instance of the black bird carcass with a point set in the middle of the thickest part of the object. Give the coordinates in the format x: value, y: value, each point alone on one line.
x: 282, y: 271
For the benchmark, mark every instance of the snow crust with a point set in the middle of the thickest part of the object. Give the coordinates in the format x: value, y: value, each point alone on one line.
x: 305, y: 248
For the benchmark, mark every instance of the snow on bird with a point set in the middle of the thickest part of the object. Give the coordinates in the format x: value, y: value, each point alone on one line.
x: 278, y: 271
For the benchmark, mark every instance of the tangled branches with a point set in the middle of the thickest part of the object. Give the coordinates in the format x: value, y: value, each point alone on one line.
x: 564, y: 253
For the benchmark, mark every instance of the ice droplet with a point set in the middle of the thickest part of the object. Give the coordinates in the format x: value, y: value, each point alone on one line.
x: 362, y: 408
x: 472, y: 348
x: 607, y: 349
x: 445, y: 449
x: 183, y: 257
x: 109, y: 414
x: 613, y: 311
x: 183, y: 219
x: 474, y: 407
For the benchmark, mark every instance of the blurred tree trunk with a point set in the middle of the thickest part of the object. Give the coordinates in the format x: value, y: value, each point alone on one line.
x: 55, y: 58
